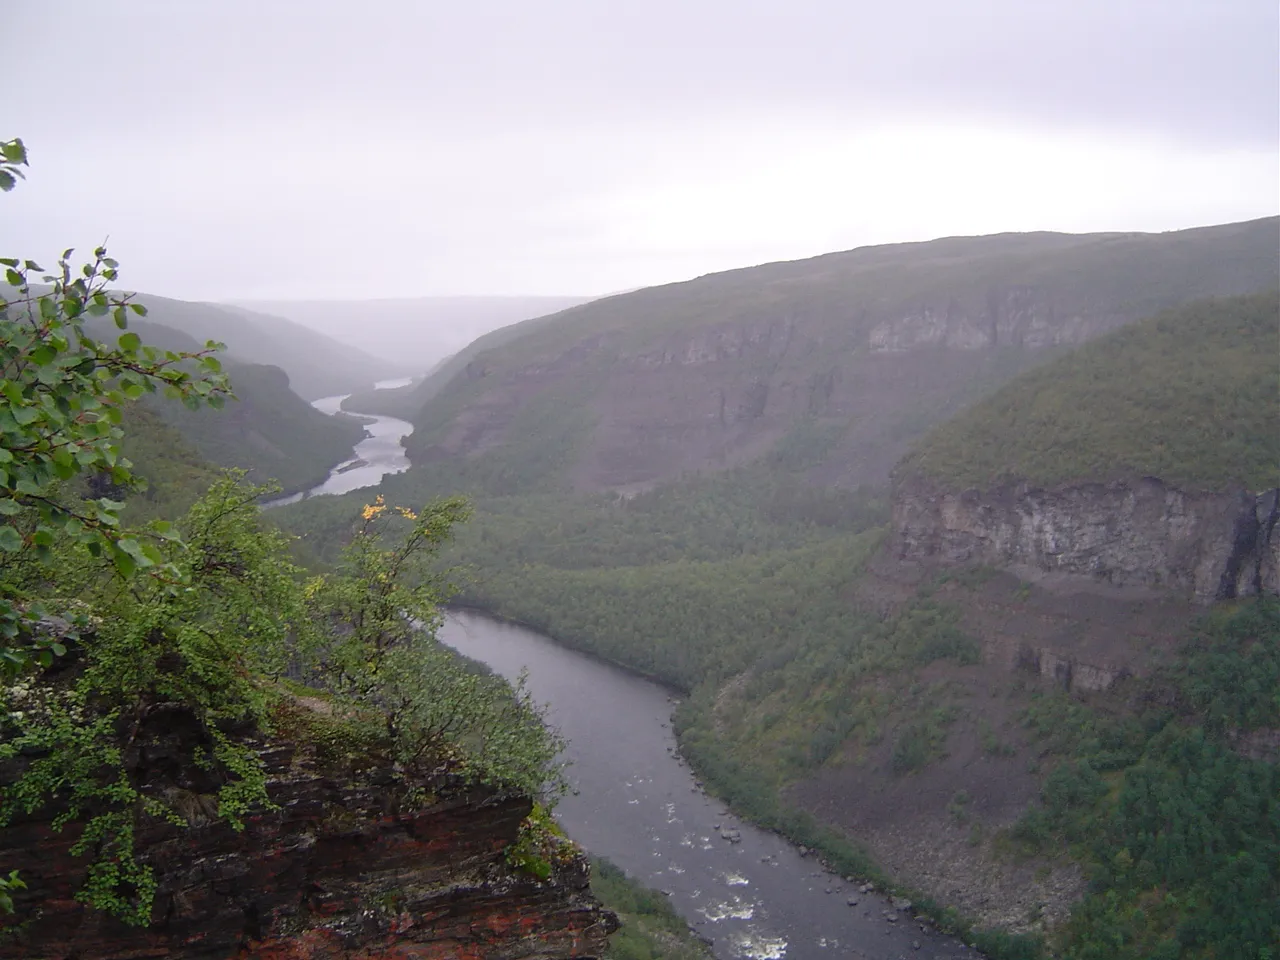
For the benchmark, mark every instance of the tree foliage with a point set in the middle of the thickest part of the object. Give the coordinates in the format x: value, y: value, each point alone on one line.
x: 63, y: 394
x: 191, y: 632
x: 380, y: 609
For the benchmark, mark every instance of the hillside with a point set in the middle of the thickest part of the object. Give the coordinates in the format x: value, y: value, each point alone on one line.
x: 837, y: 363
x: 318, y: 366
x: 175, y: 473
x: 414, y: 333
x: 956, y: 721
x: 268, y: 429
x: 1190, y: 396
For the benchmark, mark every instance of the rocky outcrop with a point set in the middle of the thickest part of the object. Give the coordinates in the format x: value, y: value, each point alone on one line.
x: 1141, y: 533
x: 1017, y: 316
x: 344, y: 868
x: 868, y: 348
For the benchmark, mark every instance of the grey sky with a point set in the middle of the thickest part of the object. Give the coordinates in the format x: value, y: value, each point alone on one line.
x: 299, y: 148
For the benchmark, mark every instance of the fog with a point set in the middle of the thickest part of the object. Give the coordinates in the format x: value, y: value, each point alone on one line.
x: 256, y: 151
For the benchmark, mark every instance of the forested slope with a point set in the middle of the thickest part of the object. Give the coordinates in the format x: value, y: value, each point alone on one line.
x: 318, y: 366
x: 842, y: 360
x: 840, y: 695
x: 267, y: 429
x: 1190, y: 396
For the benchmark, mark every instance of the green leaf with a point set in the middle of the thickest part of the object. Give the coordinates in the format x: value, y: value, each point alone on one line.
x: 124, y: 564
x: 14, y: 151
x: 10, y: 540
x: 130, y: 342
x: 9, y: 507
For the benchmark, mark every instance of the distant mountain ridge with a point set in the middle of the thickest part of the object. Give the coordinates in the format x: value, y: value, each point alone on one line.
x: 836, y: 363
x: 414, y: 332
x: 317, y: 365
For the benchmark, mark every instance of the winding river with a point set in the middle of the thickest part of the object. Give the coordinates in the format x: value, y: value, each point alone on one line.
x: 377, y: 455
x: 633, y: 800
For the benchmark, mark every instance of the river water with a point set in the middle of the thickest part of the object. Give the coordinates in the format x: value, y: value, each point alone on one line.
x: 635, y: 802
x: 373, y: 458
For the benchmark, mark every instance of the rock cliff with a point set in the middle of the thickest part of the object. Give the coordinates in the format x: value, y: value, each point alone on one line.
x: 1140, y: 533
x: 862, y: 350
x: 1017, y: 316
x: 343, y: 868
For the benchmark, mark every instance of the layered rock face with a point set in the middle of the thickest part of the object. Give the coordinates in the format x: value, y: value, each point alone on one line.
x: 865, y: 349
x: 1015, y: 316
x: 340, y: 870
x: 1141, y: 533
x: 728, y: 393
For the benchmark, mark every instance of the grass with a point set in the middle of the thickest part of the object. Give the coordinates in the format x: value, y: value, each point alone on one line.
x: 650, y: 927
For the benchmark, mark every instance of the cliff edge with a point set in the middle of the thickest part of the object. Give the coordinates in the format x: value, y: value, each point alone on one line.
x: 346, y: 866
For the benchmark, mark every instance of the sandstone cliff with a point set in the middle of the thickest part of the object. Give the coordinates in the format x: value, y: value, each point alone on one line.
x: 1141, y: 533
x: 346, y: 867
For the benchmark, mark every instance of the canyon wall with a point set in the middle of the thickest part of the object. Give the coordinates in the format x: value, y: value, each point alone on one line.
x: 1140, y: 533
x: 341, y: 869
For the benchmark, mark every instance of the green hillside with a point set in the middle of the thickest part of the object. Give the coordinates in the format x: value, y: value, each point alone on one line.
x: 823, y: 680
x: 845, y: 359
x: 318, y: 366
x: 268, y: 429
x: 1191, y: 396
x: 175, y: 474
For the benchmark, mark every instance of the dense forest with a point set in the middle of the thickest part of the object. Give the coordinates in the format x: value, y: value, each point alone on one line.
x: 756, y: 592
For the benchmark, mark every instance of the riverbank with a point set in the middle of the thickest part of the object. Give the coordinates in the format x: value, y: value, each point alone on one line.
x: 753, y: 793
x: 636, y: 800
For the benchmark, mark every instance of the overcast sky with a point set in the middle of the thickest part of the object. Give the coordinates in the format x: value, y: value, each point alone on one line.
x: 310, y: 149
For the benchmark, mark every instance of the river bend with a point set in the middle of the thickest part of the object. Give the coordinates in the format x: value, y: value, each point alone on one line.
x: 634, y: 801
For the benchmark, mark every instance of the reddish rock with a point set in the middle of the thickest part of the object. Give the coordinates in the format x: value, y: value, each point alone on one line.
x: 341, y: 870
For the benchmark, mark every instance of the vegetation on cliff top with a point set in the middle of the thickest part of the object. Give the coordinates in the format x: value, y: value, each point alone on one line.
x: 1189, y: 396
x: 114, y: 638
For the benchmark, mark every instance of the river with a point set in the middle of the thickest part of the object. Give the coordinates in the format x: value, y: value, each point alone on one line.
x: 634, y: 801
x: 373, y: 458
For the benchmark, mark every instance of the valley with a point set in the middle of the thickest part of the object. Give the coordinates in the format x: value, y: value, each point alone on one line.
x: 928, y: 654
x: 876, y: 660
x: 687, y: 481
